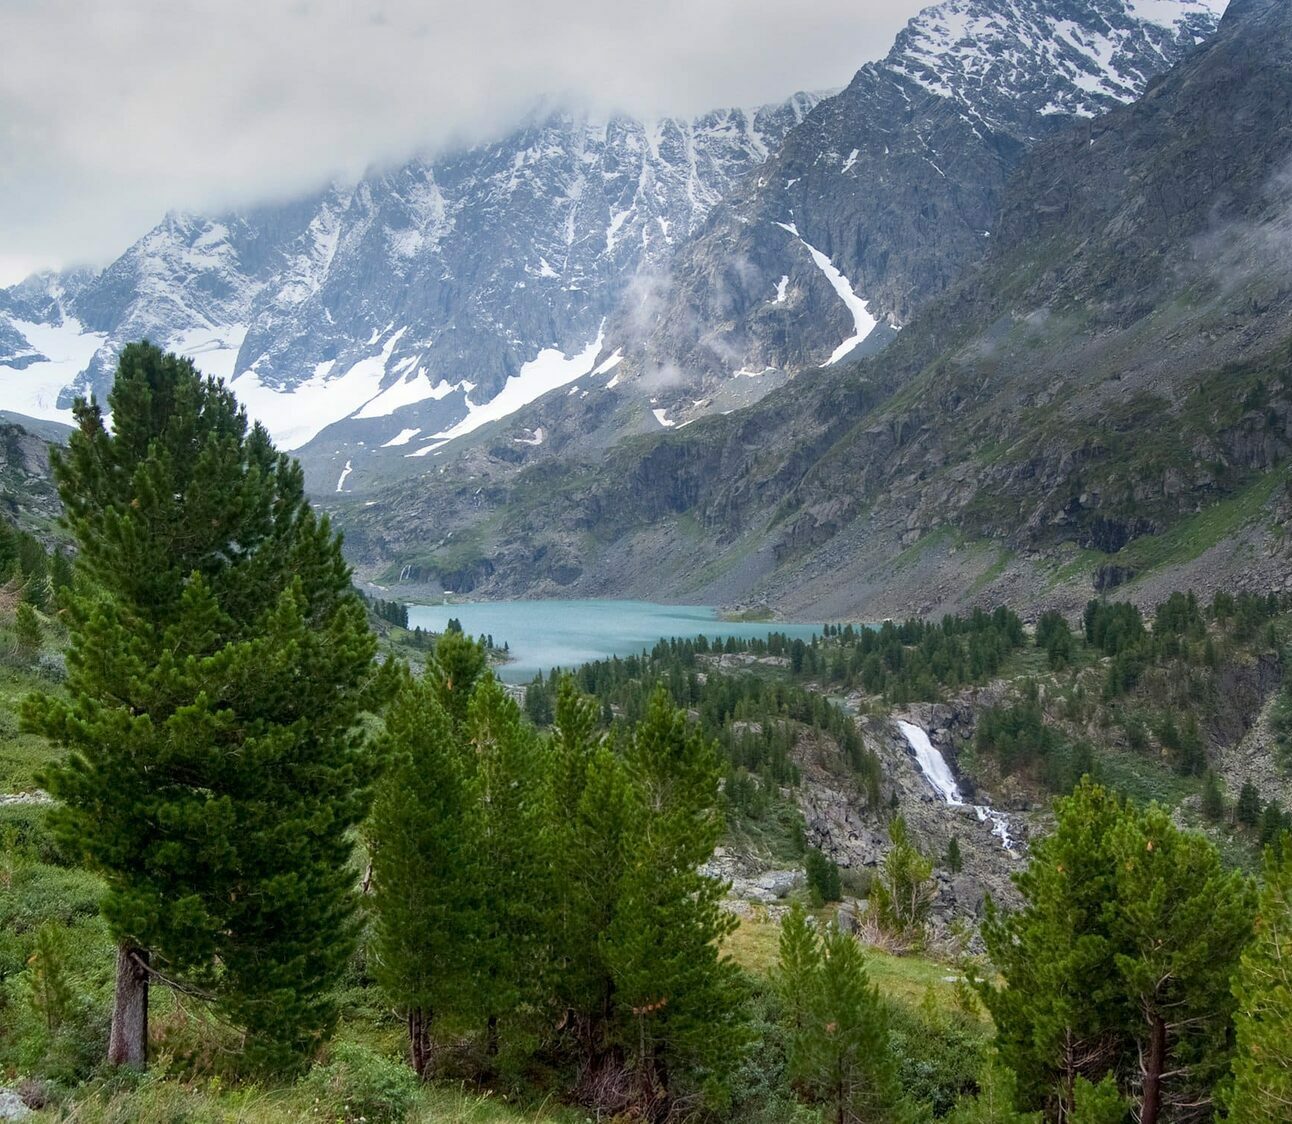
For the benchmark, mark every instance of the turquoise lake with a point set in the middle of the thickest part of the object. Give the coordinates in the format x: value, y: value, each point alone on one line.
x: 547, y: 634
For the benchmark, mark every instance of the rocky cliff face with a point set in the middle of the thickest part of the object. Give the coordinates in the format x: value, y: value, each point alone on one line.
x: 872, y: 206
x: 368, y: 323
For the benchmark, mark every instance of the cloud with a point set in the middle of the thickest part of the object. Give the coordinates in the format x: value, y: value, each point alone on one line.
x: 111, y: 114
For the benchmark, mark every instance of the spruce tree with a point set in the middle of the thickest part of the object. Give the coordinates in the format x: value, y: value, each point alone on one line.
x: 27, y: 631
x: 422, y: 836
x: 1262, y: 1086
x: 1248, y: 810
x: 218, y: 667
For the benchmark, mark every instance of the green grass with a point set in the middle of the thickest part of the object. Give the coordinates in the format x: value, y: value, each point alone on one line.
x: 1143, y: 779
x: 1196, y: 534
x: 168, y: 1101
x: 22, y: 756
x: 994, y: 570
x: 941, y: 537
x: 906, y: 979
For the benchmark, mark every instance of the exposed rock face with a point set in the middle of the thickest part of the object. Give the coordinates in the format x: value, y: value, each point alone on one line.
x: 27, y: 492
x: 837, y: 821
x: 361, y: 322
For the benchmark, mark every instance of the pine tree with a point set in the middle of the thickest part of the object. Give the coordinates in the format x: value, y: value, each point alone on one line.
x: 798, y: 968
x: 1118, y: 963
x: 822, y: 878
x: 423, y: 834
x: 1262, y: 1087
x: 591, y: 792
x: 27, y: 631
x: 1060, y: 1012
x: 456, y: 667
x: 839, y: 1057
x: 954, y: 860
x: 1248, y: 810
x: 219, y: 664
x: 1098, y: 1104
x: 513, y: 871
x: 1179, y: 924
x: 1273, y: 823
x: 902, y: 894
x: 994, y: 1103
x: 678, y: 998
x: 1213, y: 800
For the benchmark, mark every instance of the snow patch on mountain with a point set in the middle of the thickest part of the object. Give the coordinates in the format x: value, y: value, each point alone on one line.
x: 403, y: 437
x: 1172, y: 13
x: 408, y: 391
x: 37, y: 389
x: 295, y: 416
x: 547, y: 371
x: 862, y: 320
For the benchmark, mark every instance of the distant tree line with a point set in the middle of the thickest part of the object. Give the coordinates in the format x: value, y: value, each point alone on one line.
x: 392, y: 612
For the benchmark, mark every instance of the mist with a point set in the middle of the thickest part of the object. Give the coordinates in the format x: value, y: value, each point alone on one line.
x: 113, y: 114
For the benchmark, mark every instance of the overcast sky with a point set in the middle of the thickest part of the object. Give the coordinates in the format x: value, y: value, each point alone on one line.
x: 112, y: 113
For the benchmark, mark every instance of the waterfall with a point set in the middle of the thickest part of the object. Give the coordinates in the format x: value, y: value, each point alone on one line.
x: 943, y: 781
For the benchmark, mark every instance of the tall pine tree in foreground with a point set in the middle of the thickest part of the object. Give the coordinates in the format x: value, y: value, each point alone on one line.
x: 219, y: 665
x: 422, y: 838
x: 1262, y: 1089
x: 1118, y: 963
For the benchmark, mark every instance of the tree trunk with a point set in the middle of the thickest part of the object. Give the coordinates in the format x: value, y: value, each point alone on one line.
x: 1151, y: 1105
x: 419, y: 1042
x: 128, y: 1040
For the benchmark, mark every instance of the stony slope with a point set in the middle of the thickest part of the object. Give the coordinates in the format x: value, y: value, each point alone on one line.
x: 1105, y: 398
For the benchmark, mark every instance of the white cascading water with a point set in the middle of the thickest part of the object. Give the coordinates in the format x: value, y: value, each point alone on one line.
x: 938, y: 773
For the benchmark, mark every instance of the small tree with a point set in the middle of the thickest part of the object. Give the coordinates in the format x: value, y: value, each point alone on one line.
x: 1262, y: 1088
x: 954, y: 860
x: 1248, y: 810
x: 797, y: 968
x: 823, y: 879
x: 1212, y: 798
x: 902, y: 894
x: 27, y: 631
x: 838, y: 1053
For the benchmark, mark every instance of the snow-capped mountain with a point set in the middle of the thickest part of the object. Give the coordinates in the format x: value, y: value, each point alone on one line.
x: 458, y: 284
x: 887, y: 191
x: 659, y: 270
